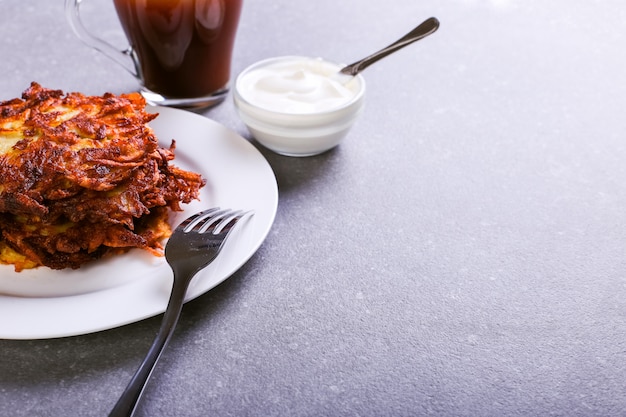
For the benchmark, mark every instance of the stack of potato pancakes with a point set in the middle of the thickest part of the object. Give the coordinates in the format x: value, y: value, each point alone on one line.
x: 82, y: 177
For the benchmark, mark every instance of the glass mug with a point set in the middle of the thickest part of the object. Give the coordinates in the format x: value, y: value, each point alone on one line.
x: 180, y: 50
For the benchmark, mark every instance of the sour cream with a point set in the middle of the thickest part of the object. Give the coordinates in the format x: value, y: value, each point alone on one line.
x: 298, y: 85
x: 298, y: 106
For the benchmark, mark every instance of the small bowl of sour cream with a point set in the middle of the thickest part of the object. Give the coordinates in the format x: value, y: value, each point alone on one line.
x: 298, y: 106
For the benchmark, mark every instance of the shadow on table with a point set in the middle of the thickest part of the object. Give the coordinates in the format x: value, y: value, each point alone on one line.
x: 298, y: 173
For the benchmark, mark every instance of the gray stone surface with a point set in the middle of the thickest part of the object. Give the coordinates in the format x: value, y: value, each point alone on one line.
x: 461, y: 253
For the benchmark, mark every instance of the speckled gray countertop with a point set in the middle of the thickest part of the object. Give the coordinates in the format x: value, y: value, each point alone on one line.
x: 462, y: 253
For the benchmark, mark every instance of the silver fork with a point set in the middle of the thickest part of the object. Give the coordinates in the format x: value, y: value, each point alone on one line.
x: 195, y: 243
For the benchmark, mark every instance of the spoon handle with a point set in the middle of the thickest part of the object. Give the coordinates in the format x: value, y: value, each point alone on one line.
x: 426, y: 28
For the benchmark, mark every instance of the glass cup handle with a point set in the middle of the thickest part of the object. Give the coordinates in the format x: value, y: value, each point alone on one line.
x: 125, y: 58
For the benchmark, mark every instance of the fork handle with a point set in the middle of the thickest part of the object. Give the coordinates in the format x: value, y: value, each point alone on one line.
x: 127, y: 402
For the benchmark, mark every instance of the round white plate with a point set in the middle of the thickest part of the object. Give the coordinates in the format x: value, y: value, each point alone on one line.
x: 43, y: 303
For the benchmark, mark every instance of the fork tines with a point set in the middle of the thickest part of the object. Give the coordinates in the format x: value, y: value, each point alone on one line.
x: 213, y: 220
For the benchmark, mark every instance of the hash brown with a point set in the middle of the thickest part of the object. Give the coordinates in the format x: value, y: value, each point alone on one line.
x: 82, y: 177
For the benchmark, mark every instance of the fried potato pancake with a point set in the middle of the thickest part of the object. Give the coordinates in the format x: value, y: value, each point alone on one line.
x: 82, y: 177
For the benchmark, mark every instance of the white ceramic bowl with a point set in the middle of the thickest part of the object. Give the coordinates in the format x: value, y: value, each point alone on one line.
x: 298, y: 133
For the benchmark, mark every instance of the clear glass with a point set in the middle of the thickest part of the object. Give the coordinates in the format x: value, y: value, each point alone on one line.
x: 180, y: 50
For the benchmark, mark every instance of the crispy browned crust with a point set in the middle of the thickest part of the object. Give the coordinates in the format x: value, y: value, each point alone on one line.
x: 84, y: 178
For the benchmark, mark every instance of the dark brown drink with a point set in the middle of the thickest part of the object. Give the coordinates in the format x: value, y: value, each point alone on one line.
x: 183, y: 47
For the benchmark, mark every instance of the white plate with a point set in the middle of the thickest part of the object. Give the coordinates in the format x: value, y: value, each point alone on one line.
x: 43, y: 303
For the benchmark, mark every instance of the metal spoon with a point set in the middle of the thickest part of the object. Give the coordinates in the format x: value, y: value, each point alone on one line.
x: 426, y: 28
